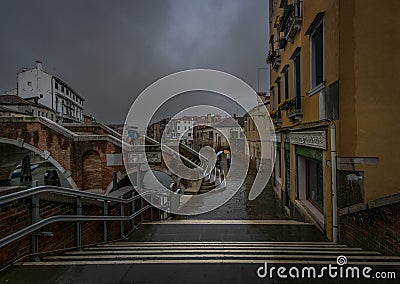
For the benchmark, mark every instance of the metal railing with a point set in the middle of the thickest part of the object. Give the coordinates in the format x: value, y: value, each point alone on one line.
x: 291, y: 13
x: 37, y: 222
x: 187, y: 148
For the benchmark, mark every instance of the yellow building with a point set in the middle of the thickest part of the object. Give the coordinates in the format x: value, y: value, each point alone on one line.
x: 334, y: 98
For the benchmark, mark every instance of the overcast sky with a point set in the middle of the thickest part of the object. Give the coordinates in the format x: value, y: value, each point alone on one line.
x: 109, y: 51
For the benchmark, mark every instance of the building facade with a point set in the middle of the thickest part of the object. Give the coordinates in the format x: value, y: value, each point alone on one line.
x: 53, y: 93
x: 13, y: 105
x: 203, y: 135
x: 157, y: 129
x: 182, y: 129
x: 333, y: 104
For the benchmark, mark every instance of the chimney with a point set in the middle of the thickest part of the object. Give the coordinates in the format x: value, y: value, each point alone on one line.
x: 39, y: 65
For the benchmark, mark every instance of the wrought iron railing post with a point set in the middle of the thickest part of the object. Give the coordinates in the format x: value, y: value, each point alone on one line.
x: 151, y: 208
x: 121, y: 224
x: 141, y: 206
x: 133, y: 210
x: 105, y: 213
x: 35, y: 237
x: 78, y: 224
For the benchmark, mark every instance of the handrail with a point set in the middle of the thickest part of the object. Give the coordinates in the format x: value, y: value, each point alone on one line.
x: 69, y: 192
x: 38, y: 223
x: 125, y: 144
x: 182, y: 157
x: 180, y: 144
x: 65, y: 218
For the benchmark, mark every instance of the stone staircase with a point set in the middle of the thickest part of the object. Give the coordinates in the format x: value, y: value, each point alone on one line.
x: 318, y: 253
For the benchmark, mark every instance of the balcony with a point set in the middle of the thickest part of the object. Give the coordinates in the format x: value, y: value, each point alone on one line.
x: 274, y: 60
x: 277, y: 121
x: 291, y: 22
x: 294, y: 27
x: 276, y: 63
x: 282, y: 43
x: 296, y: 112
x: 276, y: 116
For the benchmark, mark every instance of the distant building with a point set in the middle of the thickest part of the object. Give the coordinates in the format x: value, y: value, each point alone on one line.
x: 156, y: 130
x: 230, y: 130
x: 7, y: 112
x: 52, y: 92
x: 119, y: 127
x: 182, y: 129
x: 203, y: 135
x: 13, y: 105
x: 88, y: 119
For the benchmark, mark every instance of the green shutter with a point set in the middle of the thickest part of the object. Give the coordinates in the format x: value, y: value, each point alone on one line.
x: 308, y: 152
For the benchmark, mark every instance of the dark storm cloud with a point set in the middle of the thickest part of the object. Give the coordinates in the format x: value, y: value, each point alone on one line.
x: 109, y: 51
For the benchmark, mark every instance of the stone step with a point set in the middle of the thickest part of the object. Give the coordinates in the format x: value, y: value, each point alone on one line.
x: 208, y: 183
x: 207, y: 187
x: 219, y: 252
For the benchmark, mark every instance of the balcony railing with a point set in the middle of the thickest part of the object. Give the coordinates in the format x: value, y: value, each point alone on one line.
x: 278, y: 118
x: 274, y: 60
x: 291, y: 21
x: 282, y: 43
x: 296, y: 113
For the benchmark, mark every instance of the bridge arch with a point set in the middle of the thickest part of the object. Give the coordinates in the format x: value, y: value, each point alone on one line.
x: 46, y: 155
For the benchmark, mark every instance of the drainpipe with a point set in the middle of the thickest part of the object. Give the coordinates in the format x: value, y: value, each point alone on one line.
x: 334, y: 188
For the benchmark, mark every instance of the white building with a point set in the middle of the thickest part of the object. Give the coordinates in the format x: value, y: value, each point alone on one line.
x: 182, y: 129
x: 53, y: 93
x: 229, y: 131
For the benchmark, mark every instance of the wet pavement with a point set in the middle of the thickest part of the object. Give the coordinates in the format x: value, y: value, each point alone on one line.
x: 265, y: 206
x: 235, y: 221
x: 228, y: 233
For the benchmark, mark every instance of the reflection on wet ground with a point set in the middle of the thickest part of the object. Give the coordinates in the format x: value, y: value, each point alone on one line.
x: 239, y: 207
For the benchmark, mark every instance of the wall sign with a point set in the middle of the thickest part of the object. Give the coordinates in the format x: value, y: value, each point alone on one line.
x: 315, y: 139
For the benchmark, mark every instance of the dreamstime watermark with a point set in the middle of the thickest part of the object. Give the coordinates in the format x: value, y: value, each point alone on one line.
x: 156, y: 95
x: 329, y: 271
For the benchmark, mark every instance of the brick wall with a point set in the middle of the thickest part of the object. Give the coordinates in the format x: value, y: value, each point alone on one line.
x: 13, y: 217
x: 64, y: 149
x: 372, y: 227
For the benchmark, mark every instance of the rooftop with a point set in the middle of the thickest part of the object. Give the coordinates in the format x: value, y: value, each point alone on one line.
x: 12, y: 100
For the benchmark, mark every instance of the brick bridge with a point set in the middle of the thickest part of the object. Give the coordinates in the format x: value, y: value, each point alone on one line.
x: 78, y: 151
x: 85, y: 154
